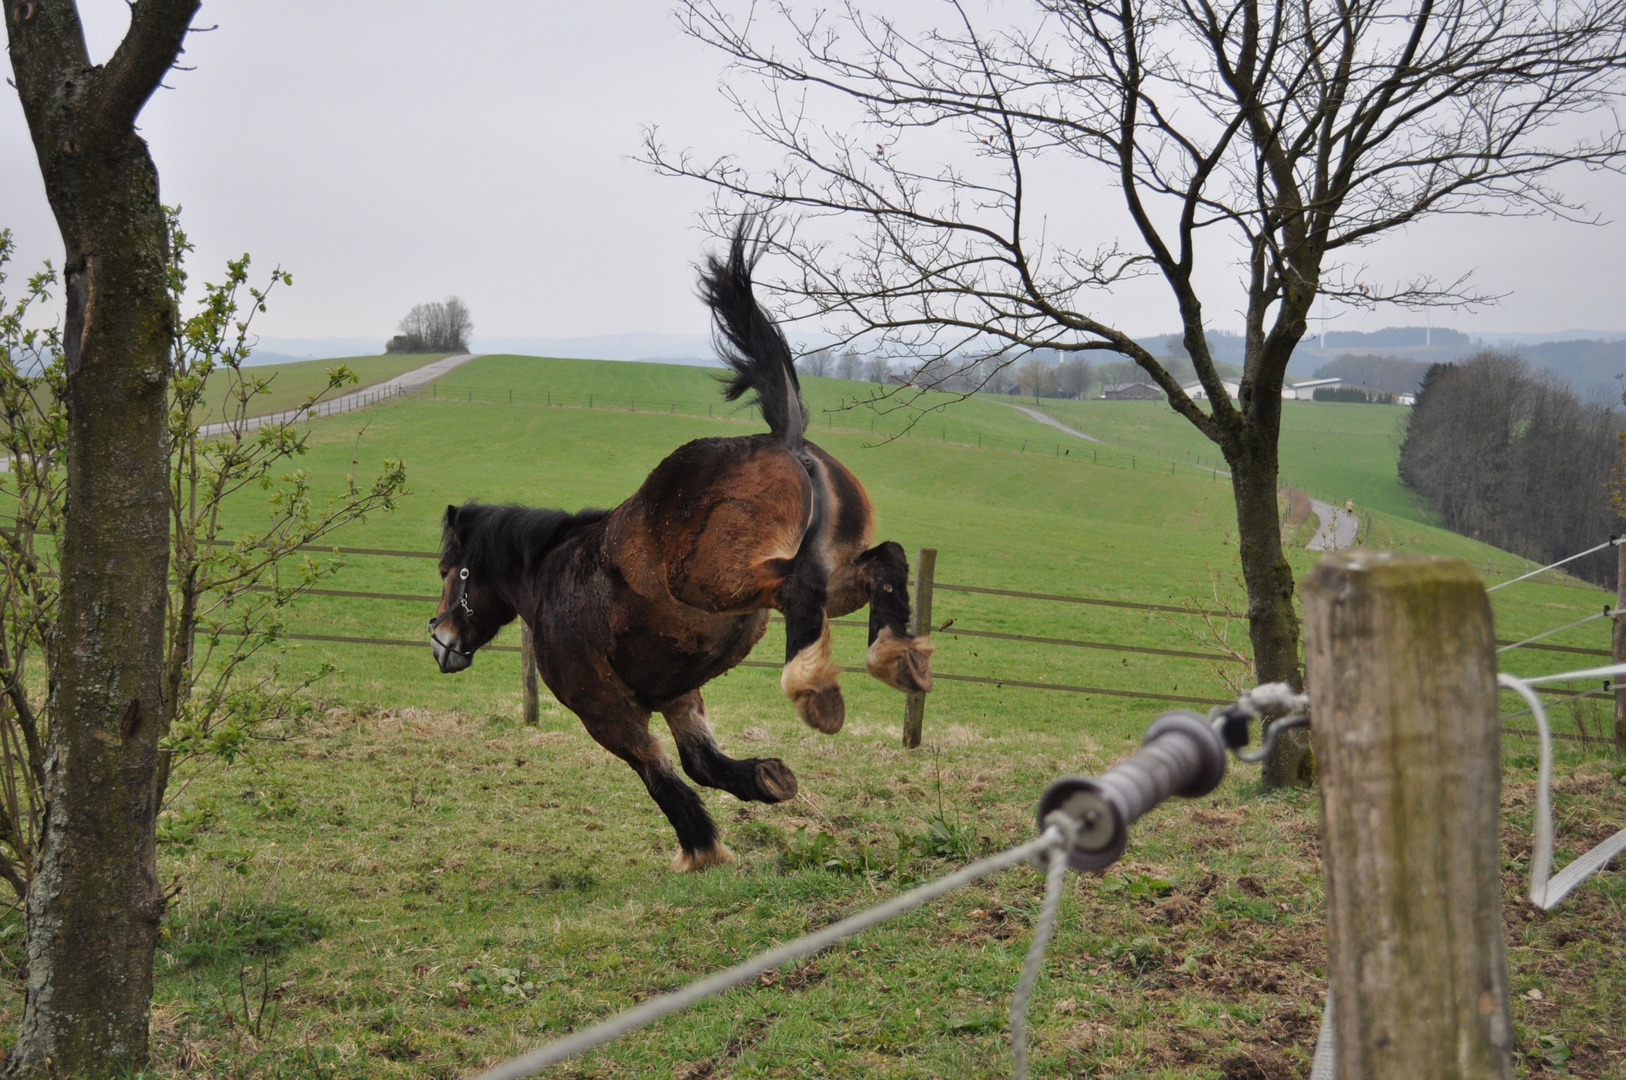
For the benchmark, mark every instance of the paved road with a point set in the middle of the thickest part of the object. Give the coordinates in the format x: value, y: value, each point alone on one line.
x: 404, y: 383
x: 1053, y: 422
x: 1339, y: 527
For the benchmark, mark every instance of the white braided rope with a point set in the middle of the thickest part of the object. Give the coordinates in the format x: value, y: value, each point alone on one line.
x: 653, y: 1009
x: 1035, y: 960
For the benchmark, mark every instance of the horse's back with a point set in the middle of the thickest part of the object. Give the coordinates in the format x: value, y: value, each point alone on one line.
x: 714, y: 524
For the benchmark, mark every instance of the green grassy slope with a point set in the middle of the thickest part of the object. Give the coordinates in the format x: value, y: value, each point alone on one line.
x: 1334, y: 451
x: 1000, y: 518
x: 396, y: 861
x: 293, y: 384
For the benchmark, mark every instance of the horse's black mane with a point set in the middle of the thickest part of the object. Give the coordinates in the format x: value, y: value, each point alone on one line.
x: 504, y: 539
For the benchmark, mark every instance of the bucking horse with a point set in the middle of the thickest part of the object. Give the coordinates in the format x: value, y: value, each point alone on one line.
x: 633, y: 610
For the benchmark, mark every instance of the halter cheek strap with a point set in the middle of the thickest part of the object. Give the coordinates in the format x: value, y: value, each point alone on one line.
x: 462, y: 602
x: 463, y: 592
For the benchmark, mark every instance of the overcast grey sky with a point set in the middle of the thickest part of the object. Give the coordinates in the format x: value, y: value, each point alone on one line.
x: 389, y: 152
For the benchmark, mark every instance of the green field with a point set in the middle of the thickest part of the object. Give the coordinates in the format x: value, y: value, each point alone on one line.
x: 293, y: 384
x: 418, y: 884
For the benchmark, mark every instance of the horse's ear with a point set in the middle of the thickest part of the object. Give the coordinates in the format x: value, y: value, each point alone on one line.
x: 451, y: 516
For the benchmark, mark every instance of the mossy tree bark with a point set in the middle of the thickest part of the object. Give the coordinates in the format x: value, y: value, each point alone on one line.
x: 95, y: 901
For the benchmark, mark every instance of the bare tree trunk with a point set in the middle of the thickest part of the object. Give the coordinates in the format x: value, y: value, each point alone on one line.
x: 94, y: 904
x: 1273, y: 626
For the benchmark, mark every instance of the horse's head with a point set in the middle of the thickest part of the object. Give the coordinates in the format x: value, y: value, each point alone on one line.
x: 472, y: 607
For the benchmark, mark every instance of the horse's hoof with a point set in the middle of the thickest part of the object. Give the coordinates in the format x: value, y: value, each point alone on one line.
x: 903, y: 663
x: 823, y: 710
x: 692, y: 862
x: 775, y: 782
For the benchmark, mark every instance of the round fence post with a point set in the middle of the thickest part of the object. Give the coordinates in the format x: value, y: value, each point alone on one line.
x: 1400, y: 656
x: 914, y: 706
x: 527, y: 675
x: 1619, y: 649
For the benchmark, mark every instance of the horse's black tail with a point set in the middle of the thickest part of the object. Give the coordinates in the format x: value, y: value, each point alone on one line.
x: 749, y: 341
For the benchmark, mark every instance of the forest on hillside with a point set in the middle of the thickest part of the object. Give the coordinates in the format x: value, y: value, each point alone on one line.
x: 1514, y: 457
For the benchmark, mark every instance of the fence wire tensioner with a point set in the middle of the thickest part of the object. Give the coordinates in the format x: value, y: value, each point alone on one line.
x: 1182, y: 754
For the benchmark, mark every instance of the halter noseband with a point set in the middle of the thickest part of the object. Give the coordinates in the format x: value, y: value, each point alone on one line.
x: 462, y: 602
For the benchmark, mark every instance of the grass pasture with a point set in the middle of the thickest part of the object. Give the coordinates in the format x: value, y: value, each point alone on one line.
x: 410, y: 883
x: 293, y: 384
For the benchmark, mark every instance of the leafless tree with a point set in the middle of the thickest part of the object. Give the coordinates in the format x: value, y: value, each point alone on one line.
x: 850, y: 365
x: 435, y: 328
x: 1035, y: 378
x: 816, y: 362
x: 1074, y: 378
x: 1289, y: 135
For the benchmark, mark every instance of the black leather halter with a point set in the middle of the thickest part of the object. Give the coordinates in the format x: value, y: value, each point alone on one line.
x: 462, y: 601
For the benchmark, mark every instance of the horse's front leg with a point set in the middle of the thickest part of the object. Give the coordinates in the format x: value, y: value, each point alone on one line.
x: 766, y: 780
x: 902, y: 661
x: 622, y: 727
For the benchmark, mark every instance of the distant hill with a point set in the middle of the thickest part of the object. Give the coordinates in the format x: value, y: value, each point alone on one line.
x: 1393, y: 337
x: 1590, y: 367
x: 1377, y: 374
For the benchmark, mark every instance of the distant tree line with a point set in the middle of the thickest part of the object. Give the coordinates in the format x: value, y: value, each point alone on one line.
x: 1042, y: 373
x: 1351, y: 394
x: 1514, y: 458
x: 442, y: 327
x: 1377, y: 374
x: 1590, y: 366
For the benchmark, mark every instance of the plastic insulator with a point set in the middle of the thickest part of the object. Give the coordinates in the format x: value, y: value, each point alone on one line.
x: 1181, y: 755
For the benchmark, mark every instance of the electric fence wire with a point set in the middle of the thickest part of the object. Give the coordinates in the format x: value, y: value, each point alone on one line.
x: 1611, y: 542
x: 1604, y: 614
x: 1055, y: 836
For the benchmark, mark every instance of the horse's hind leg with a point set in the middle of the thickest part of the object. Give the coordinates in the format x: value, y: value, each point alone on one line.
x: 809, y: 678
x: 895, y: 657
x: 623, y: 729
x: 766, y: 780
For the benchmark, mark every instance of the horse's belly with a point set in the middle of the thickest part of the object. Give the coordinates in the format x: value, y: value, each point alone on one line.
x: 658, y: 663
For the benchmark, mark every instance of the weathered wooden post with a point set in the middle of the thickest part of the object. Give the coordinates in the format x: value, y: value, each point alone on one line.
x: 1620, y: 646
x: 527, y: 677
x: 914, y: 706
x: 1400, y: 656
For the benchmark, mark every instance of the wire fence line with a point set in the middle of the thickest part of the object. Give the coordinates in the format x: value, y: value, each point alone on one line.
x: 1606, y: 613
x: 948, y: 628
x: 1613, y: 541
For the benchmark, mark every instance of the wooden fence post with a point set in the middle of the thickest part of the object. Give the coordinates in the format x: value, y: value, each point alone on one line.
x: 527, y: 668
x: 914, y: 706
x: 1620, y: 648
x: 1400, y: 657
